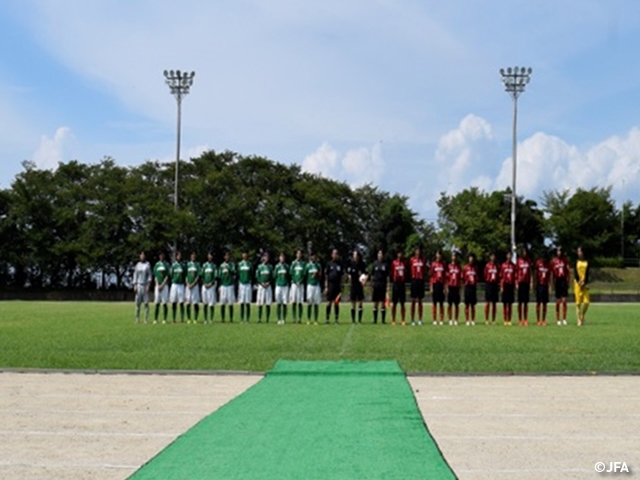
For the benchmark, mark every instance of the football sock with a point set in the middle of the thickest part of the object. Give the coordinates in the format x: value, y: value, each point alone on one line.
x: 375, y: 315
x: 316, y: 312
x: 309, y: 312
x: 360, y: 312
x: 328, y: 312
x: 231, y: 313
x: 248, y: 311
x: 223, y: 312
x: 353, y: 315
x: 279, y: 311
x: 196, y: 309
x: 146, y: 311
x: 403, y: 312
x: 174, y: 307
x: 434, y: 312
x: 260, y: 313
x: 413, y: 311
x: 188, y: 311
x: 165, y: 310
x: 242, y: 312
x: 336, y: 311
x: 157, y: 312
x: 268, y: 312
x: 420, y: 311
x: 182, y: 312
x: 284, y: 312
x: 384, y: 315
x: 300, y: 308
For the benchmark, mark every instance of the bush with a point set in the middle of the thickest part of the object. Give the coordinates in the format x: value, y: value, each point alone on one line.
x: 604, y: 262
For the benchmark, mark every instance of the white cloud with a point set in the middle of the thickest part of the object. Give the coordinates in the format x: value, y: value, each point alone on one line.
x: 546, y: 162
x: 53, y: 150
x: 322, y: 162
x: 357, y: 166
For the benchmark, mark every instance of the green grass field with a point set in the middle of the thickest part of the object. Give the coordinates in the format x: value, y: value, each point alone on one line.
x: 104, y: 336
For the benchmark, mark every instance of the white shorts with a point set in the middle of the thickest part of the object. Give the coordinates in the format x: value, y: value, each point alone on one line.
x: 209, y: 295
x: 142, y: 296
x: 265, y: 295
x: 192, y: 295
x: 282, y: 294
x: 314, y: 294
x: 176, y: 293
x: 227, y: 295
x: 245, y: 291
x: 161, y: 295
x: 296, y: 293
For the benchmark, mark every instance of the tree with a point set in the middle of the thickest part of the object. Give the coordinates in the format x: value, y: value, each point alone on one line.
x: 587, y: 218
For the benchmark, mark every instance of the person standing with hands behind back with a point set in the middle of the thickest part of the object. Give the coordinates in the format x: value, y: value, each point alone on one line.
x: 581, y: 286
x: 333, y: 273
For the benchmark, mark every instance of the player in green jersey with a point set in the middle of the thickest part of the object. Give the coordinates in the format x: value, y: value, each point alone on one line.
x: 176, y: 294
x: 227, y: 276
x: 313, y: 276
x: 208, y: 287
x: 192, y: 293
x: 161, y: 294
x: 264, y: 277
x: 281, y: 272
x: 296, y: 292
x: 245, y: 275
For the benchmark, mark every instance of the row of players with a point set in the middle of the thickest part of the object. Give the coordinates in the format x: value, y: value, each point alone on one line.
x: 193, y: 283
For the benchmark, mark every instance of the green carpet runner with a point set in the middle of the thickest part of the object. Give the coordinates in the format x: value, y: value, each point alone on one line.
x: 310, y: 420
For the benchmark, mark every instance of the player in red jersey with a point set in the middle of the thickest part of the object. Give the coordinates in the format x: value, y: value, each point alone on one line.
x: 492, y: 289
x: 543, y: 272
x: 523, y: 278
x: 561, y: 275
x: 454, y: 280
x: 438, y: 277
x: 507, y: 286
x: 470, y: 277
x: 417, y: 268
x: 398, y: 279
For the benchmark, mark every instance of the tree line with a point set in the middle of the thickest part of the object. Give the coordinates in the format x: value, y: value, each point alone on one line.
x: 82, y: 225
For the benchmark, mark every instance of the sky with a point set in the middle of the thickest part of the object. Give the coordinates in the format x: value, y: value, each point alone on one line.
x: 402, y: 94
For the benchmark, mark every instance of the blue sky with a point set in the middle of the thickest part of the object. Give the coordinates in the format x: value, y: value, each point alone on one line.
x: 403, y: 94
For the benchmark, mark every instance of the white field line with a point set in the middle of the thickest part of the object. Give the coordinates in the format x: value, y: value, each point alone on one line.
x: 347, y: 340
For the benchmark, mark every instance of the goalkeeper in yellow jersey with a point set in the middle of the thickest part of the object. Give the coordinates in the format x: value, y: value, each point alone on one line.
x: 581, y: 286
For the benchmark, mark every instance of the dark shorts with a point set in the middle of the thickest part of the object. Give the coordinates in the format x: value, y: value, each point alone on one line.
x: 357, y: 292
x: 398, y: 293
x: 333, y: 291
x: 542, y: 293
x: 508, y: 294
x: 454, y: 296
x: 492, y: 292
x: 523, y: 292
x: 562, y: 288
x: 437, y: 293
x: 379, y: 293
x: 417, y: 289
x: 471, y: 295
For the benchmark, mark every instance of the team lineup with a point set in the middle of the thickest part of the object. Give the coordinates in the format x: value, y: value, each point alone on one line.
x: 187, y: 285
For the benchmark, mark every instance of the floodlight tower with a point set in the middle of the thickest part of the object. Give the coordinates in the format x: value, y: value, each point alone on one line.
x: 179, y: 84
x: 514, y: 79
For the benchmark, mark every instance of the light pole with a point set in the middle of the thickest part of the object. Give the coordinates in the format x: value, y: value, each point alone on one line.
x: 515, y: 79
x: 179, y: 84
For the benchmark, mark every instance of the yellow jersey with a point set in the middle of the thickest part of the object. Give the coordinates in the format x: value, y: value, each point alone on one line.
x: 582, y: 272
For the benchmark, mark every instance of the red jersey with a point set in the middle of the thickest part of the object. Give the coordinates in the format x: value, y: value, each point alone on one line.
x: 560, y: 267
x: 523, y: 267
x: 418, y: 267
x: 470, y: 275
x: 491, y: 273
x: 398, y: 271
x: 438, y: 272
x: 543, y: 272
x: 454, y: 275
x: 507, y: 273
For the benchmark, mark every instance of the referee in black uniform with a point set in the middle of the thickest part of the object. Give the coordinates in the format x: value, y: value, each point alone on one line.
x: 379, y: 276
x: 333, y: 273
x: 355, y: 269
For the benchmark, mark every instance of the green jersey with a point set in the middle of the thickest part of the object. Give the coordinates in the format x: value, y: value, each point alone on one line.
x: 178, y: 273
x: 245, y: 270
x: 297, y: 271
x: 312, y: 272
x: 282, y: 275
x: 264, y: 273
x: 208, y: 273
x: 227, y: 274
x: 161, y: 272
x: 193, y: 272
